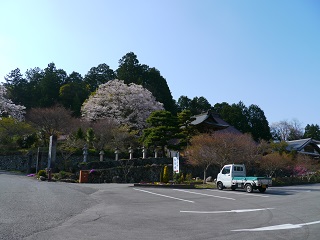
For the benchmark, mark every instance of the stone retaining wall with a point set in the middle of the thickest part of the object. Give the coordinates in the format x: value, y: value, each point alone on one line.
x: 28, y: 162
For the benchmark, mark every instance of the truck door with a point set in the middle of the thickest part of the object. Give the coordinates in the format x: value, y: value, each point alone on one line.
x: 225, y: 176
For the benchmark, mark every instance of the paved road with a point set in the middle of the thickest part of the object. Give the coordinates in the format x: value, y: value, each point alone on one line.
x: 42, y: 210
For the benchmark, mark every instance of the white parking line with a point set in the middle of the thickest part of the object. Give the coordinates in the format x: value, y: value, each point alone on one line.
x: 230, y: 211
x: 203, y: 194
x: 163, y: 195
x: 239, y: 193
x: 277, y: 227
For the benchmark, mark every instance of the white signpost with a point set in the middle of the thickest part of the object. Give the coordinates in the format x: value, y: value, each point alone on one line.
x: 176, y: 164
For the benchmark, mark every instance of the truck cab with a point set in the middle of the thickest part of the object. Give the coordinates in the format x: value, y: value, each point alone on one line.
x: 229, y: 171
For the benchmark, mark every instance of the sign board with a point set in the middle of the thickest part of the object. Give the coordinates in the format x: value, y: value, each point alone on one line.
x: 176, y: 164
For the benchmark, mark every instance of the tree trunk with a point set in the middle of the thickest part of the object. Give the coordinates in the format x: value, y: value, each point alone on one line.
x: 204, y: 176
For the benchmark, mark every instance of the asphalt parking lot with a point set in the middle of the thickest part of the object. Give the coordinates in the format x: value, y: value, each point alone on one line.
x: 122, y: 211
x: 127, y: 212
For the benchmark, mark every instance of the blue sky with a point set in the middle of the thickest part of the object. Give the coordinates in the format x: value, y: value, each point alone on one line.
x: 260, y: 52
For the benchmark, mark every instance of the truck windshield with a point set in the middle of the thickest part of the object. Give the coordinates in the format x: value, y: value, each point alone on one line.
x: 226, y: 170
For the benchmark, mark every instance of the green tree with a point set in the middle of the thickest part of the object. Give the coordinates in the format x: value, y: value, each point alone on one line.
x: 235, y: 115
x: 155, y: 83
x: 312, y: 131
x: 14, y: 132
x: 184, y: 103
x: 50, y: 84
x: 34, y: 77
x: 99, y: 75
x: 79, y: 134
x: 280, y: 147
x: 186, y: 129
x: 197, y: 105
x: 258, y: 123
x: 74, y: 93
x: 90, y: 137
x: 163, y: 128
x: 17, y: 87
x: 131, y: 71
x: 246, y: 119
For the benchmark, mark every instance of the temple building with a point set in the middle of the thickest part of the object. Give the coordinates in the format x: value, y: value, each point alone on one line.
x: 306, y: 146
x: 210, y: 121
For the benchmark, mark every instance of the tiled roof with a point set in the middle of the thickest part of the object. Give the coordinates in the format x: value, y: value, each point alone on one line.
x: 299, y: 145
x: 214, y: 120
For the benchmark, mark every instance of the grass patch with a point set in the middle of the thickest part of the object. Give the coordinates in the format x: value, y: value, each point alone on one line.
x: 206, y: 185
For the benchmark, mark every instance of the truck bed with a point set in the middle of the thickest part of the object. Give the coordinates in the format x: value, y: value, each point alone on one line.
x: 250, y: 178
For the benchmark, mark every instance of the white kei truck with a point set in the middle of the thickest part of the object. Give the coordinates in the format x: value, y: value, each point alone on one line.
x: 234, y: 176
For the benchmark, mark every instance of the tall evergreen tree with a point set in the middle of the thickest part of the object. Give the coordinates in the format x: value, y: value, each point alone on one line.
x: 187, y: 131
x: 34, y: 77
x: 155, y: 83
x: 17, y: 87
x: 74, y: 93
x: 50, y: 85
x: 247, y: 120
x: 99, y: 75
x: 258, y: 123
x: 197, y: 105
x: 131, y: 71
x: 184, y: 103
x: 163, y: 128
x: 234, y: 114
x: 312, y: 131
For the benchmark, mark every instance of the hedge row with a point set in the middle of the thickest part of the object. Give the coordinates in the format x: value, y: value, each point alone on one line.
x: 129, y: 174
x: 287, y: 181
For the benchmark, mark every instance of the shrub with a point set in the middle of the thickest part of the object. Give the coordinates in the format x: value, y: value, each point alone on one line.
x: 188, y: 177
x: 178, y: 177
x: 65, y: 175
x: 165, y: 177
x: 161, y: 174
x: 42, y: 173
x: 62, y: 174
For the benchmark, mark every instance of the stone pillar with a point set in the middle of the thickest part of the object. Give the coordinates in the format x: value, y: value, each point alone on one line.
x: 117, y: 154
x: 144, y: 152
x: 130, y: 152
x: 52, y: 151
x: 85, y: 153
x: 101, y: 155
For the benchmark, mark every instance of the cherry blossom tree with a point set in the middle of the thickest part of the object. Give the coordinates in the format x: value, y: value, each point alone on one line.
x: 128, y: 104
x: 8, y: 108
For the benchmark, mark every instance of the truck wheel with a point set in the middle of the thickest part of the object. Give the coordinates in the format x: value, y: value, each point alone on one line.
x: 249, y: 188
x: 262, y: 190
x: 220, y: 185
